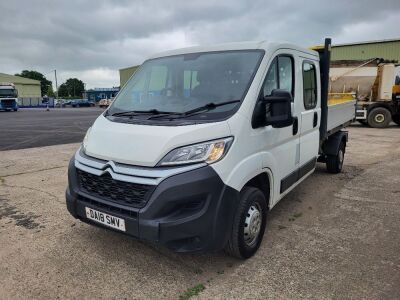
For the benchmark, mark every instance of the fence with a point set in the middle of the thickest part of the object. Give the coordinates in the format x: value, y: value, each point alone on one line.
x: 35, y: 102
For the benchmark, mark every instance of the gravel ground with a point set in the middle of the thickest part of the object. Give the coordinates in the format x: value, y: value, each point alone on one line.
x: 333, y: 237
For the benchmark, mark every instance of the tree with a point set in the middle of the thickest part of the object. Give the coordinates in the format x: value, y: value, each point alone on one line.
x: 50, y: 92
x: 44, y: 83
x: 73, y: 87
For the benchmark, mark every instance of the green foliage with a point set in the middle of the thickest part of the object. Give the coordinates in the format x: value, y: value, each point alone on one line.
x: 192, y: 292
x: 50, y: 92
x: 72, y: 88
x: 44, y: 83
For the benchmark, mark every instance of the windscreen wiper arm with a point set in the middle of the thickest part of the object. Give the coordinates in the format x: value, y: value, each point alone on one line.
x: 142, y: 112
x: 207, y: 107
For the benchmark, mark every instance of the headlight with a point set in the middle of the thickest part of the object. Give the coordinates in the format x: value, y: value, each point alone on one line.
x: 85, y: 140
x: 208, y: 152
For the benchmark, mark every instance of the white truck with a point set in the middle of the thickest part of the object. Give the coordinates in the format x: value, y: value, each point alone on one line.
x: 8, y: 96
x: 202, y: 142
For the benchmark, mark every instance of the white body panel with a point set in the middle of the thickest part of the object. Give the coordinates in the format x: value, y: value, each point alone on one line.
x: 278, y: 152
x: 340, y: 114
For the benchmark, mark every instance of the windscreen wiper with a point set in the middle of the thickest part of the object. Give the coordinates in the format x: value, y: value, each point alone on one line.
x: 131, y: 113
x: 197, y: 110
x: 207, y: 107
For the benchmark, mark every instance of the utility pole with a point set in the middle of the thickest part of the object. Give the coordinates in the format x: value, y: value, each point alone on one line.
x: 55, y: 75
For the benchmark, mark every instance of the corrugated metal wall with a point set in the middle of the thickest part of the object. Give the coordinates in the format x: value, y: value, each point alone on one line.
x: 28, y: 90
x: 388, y: 50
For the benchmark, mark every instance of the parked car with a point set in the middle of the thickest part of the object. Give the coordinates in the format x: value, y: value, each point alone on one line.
x: 59, y: 103
x: 105, y: 103
x: 82, y: 103
x: 198, y: 167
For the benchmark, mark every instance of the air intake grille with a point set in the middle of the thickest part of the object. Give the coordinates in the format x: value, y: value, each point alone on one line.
x: 121, y: 192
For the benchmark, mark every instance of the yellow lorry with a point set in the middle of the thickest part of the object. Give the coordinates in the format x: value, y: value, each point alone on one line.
x: 375, y: 84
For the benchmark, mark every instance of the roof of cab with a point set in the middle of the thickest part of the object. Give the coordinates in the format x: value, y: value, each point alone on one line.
x: 263, y: 45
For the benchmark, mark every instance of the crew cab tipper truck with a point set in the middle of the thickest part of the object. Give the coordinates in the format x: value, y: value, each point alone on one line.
x: 201, y: 142
x: 8, y: 96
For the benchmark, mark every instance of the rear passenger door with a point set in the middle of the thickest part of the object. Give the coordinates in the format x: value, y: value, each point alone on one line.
x: 310, y: 115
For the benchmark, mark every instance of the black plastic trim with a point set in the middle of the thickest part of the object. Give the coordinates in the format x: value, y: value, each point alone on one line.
x: 296, y: 175
x: 191, y: 211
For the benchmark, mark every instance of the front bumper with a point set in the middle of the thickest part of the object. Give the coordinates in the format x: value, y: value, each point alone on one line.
x: 191, y: 211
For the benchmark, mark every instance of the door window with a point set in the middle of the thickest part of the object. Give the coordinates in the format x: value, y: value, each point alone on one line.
x: 279, y: 76
x: 309, y: 85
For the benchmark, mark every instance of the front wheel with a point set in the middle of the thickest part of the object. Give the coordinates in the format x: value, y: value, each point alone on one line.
x: 249, y: 224
x: 334, y: 163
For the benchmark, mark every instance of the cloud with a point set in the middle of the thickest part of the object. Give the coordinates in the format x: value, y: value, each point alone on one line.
x: 93, y: 39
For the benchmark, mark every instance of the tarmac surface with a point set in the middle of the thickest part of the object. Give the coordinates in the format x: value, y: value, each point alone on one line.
x: 333, y: 237
x: 37, y: 127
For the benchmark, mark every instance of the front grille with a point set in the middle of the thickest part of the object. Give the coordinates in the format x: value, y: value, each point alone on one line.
x: 7, y: 103
x: 121, y: 192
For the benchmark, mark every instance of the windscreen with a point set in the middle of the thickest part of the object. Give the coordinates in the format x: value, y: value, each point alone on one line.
x: 185, y: 82
x: 7, y: 93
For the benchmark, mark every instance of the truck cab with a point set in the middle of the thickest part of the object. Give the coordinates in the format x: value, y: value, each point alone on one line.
x: 202, y: 142
x: 8, y: 97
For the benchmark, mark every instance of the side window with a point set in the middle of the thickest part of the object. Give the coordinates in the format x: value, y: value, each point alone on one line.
x: 309, y: 86
x: 285, y: 64
x: 279, y: 76
x: 271, y: 80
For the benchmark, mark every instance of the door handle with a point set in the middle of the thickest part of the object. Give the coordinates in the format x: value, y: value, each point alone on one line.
x: 295, y: 125
x: 315, y: 122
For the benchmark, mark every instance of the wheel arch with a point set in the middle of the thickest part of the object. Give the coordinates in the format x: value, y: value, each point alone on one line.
x: 262, y: 181
x: 332, y: 144
x: 388, y: 106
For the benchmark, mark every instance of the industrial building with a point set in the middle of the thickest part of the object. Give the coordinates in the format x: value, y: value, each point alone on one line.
x: 386, y: 49
x: 125, y: 74
x: 97, y: 94
x: 28, y: 89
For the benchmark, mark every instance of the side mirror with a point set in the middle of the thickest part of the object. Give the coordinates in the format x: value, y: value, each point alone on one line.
x: 275, y: 110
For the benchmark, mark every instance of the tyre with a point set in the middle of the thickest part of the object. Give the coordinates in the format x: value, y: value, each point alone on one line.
x: 396, y: 119
x: 334, y: 163
x: 379, y: 117
x: 249, y: 224
x: 15, y: 109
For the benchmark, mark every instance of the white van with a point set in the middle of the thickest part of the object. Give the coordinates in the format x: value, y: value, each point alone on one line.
x: 201, y: 142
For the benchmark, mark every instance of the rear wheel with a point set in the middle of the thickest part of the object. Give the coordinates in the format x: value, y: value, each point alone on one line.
x: 379, y: 117
x: 396, y: 119
x: 249, y: 224
x: 334, y: 163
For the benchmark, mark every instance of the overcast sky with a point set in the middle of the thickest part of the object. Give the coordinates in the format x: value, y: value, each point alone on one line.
x: 91, y: 40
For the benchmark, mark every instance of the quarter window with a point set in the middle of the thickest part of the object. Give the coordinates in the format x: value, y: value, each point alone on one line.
x: 279, y: 76
x: 309, y: 86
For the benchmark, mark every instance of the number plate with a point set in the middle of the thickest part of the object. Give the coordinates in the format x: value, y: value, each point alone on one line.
x: 105, y: 219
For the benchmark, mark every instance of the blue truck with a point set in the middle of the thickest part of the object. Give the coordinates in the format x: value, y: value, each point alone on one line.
x: 8, y: 97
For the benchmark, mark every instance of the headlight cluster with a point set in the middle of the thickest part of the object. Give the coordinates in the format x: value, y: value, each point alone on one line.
x: 85, y: 139
x: 208, y: 152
